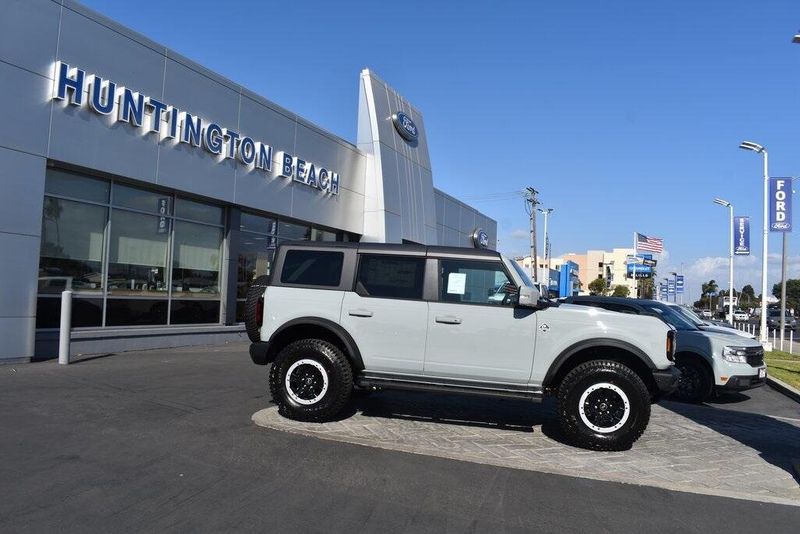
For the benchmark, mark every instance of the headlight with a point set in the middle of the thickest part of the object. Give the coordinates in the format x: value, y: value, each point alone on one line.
x: 734, y: 354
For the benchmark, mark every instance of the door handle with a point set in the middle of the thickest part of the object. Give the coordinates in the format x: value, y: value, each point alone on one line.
x: 448, y: 319
x: 360, y: 313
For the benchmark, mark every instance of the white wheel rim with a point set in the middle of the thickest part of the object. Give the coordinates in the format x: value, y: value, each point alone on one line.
x: 293, y: 394
x: 582, y: 406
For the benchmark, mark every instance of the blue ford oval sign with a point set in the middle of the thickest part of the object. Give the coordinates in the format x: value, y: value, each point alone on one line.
x: 405, y: 126
x: 480, y: 239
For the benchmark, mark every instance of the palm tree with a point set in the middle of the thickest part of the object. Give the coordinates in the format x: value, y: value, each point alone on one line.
x: 709, y: 288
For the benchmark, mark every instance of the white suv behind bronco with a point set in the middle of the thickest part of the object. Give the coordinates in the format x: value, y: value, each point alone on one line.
x: 336, y: 317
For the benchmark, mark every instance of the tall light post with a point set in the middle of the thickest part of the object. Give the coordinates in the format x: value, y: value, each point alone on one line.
x: 728, y: 205
x: 546, y: 212
x: 755, y: 147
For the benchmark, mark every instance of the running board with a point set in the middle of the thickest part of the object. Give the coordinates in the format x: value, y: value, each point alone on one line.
x: 373, y: 381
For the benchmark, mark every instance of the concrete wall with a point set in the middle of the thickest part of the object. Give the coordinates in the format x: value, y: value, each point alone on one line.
x: 456, y: 222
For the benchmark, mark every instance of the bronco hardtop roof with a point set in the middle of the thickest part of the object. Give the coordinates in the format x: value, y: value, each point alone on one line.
x: 396, y: 248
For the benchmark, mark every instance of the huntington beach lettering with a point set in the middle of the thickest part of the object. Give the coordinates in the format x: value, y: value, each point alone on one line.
x: 105, y: 97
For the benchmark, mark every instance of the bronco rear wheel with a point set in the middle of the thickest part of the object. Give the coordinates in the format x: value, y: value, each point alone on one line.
x: 603, y: 405
x: 310, y: 380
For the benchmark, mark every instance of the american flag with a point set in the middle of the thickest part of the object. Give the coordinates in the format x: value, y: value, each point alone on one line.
x: 649, y: 244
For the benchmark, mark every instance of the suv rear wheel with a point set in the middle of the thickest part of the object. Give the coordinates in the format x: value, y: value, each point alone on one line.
x: 603, y: 405
x: 310, y: 380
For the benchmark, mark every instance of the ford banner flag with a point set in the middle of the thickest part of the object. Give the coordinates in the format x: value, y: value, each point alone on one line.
x: 780, y: 204
x: 741, y: 235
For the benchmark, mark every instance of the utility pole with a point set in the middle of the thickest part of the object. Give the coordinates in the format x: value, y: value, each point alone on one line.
x: 546, y: 270
x: 531, y: 203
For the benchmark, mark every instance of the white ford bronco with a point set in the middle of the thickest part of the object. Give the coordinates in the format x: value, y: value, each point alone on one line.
x: 336, y: 317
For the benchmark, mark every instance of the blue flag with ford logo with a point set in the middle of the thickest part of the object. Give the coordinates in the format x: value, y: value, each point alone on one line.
x: 741, y: 235
x: 780, y: 204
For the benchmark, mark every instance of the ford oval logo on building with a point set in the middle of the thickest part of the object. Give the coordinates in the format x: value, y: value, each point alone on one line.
x: 480, y: 239
x: 405, y: 127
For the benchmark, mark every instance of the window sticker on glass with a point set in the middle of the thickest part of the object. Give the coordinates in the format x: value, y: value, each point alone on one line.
x: 457, y: 283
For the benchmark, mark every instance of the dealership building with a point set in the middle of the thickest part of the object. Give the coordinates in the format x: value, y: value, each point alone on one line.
x: 157, y: 190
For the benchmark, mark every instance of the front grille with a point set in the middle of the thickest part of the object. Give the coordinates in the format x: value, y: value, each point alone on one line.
x: 755, y: 356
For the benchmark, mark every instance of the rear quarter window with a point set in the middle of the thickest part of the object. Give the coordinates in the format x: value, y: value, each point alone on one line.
x: 312, y: 268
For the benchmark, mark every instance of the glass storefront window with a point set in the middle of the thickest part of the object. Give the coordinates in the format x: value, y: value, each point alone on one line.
x: 255, y: 259
x: 67, y: 184
x: 85, y: 312
x: 135, y: 312
x: 145, y: 257
x: 256, y: 223
x: 290, y: 231
x: 142, y: 199
x: 194, y: 312
x: 137, y: 254
x: 198, y: 211
x: 196, y: 260
x: 322, y: 235
x: 71, y: 254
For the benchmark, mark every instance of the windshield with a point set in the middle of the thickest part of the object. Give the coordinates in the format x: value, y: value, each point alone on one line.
x: 672, y: 317
x: 521, y: 272
x: 690, y: 315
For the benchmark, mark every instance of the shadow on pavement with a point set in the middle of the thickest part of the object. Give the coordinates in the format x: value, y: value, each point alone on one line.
x: 777, y: 442
x: 462, y: 410
x: 727, y: 398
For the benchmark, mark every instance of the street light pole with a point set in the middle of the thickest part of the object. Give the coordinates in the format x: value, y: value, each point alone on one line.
x: 755, y: 147
x: 728, y: 205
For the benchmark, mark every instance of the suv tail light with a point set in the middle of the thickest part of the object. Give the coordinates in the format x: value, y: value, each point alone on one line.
x: 671, y: 345
x: 260, y: 312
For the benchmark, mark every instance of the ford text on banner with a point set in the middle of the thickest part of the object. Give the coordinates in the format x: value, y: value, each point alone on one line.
x: 780, y: 204
x: 679, y: 284
x: 741, y: 235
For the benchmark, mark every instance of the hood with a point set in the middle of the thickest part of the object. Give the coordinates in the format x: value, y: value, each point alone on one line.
x: 726, y: 331
x: 724, y: 338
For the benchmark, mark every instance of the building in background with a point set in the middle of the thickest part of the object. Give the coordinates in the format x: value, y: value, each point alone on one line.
x: 611, y: 266
x: 157, y: 190
x: 562, y: 278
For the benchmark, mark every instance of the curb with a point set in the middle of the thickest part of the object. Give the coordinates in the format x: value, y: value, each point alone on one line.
x: 783, y: 387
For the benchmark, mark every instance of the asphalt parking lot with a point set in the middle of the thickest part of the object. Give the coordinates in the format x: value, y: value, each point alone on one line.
x: 163, y: 440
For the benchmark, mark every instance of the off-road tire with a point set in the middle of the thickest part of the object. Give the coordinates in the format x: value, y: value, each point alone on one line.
x: 255, y: 295
x: 579, y: 381
x: 338, y: 372
x: 695, y: 384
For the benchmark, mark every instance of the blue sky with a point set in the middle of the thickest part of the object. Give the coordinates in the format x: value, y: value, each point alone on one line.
x: 625, y: 115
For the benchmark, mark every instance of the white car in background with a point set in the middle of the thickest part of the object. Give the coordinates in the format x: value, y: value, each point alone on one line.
x: 741, y: 315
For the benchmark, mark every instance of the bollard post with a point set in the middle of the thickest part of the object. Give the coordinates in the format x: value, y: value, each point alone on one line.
x: 64, y: 327
x: 774, y: 338
x: 791, y: 341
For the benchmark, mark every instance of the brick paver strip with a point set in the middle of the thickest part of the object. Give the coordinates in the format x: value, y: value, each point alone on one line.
x: 688, y: 448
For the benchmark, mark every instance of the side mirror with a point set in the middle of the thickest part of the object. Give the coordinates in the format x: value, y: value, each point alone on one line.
x: 528, y: 297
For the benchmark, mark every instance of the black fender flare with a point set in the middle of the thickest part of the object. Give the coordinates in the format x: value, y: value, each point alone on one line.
x: 594, y: 343
x: 353, y: 354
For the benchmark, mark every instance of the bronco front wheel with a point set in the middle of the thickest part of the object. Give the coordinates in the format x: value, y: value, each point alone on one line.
x: 603, y: 405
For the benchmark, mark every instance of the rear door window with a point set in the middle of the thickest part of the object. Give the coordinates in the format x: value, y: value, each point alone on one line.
x: 395, y: 277
x: 312, y: 268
